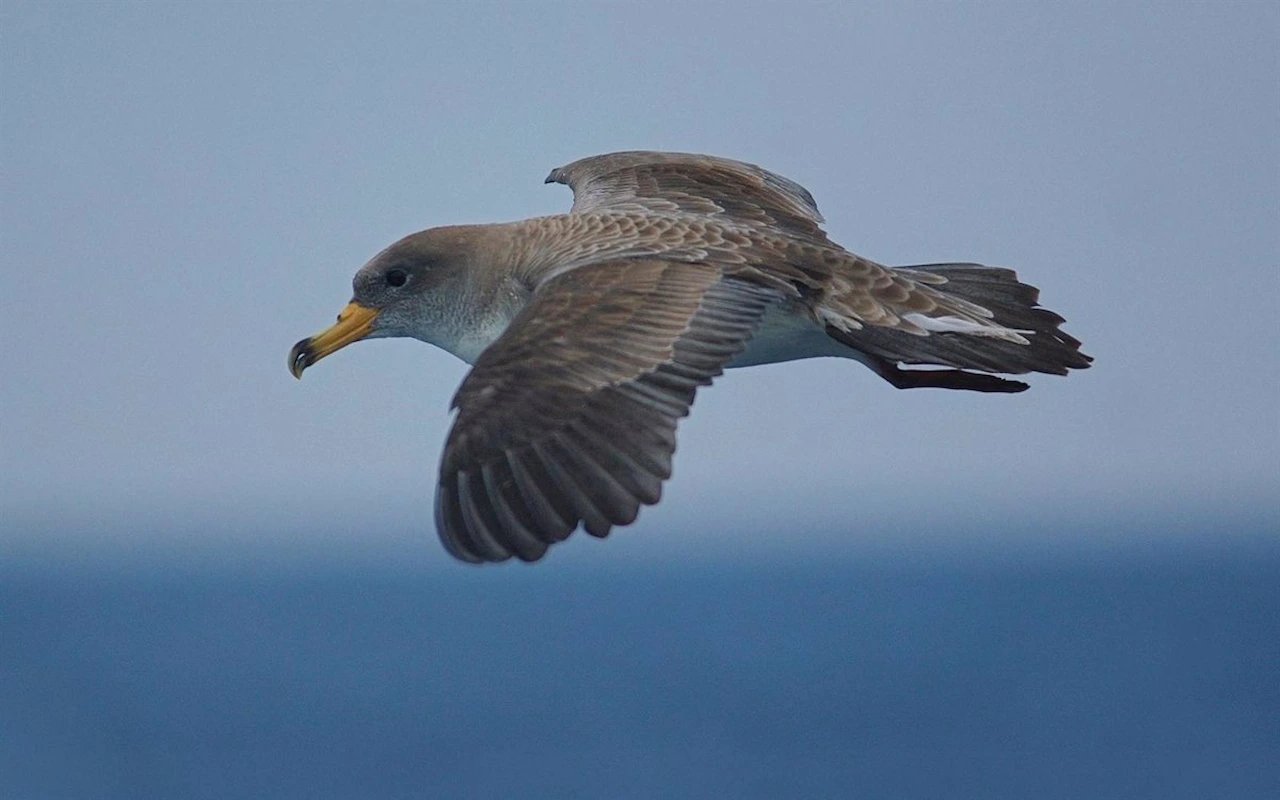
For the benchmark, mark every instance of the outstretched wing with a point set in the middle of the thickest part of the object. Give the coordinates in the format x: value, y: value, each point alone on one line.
x: 570, y: 416
x: 730, y: 191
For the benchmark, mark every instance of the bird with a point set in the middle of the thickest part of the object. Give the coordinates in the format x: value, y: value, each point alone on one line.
x: 589, y: 333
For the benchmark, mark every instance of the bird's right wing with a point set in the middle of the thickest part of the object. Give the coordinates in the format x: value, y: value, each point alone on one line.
x: 569, y: 417
x: 719, y: 188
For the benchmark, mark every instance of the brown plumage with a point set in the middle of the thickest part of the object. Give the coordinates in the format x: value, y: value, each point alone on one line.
x: 591, y: 331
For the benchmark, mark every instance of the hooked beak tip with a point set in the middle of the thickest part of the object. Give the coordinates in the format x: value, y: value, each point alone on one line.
x: 300, y: 357
x: 355, y: 322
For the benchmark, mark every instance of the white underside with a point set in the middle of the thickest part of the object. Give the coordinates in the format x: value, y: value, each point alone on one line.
x: 787, y: 333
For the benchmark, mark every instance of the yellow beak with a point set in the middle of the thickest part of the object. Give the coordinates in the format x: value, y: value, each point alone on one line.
x: 354, y: 323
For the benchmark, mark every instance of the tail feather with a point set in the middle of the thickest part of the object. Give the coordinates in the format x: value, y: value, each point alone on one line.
x: 1012, y: 304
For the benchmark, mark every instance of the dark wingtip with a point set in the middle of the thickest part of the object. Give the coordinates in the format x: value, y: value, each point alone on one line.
x: 978, y: 382
x: 947, y: 379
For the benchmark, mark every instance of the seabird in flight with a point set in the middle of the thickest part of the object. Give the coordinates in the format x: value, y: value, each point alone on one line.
x: 589, y: 332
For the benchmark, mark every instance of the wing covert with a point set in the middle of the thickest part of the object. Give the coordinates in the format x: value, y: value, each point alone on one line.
x: 731, y: 191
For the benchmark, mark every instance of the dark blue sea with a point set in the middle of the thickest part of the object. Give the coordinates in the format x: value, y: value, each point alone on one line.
x: 1144, y: 672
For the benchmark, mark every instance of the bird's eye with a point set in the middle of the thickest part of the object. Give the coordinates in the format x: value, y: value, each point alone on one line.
x: 397, y: 277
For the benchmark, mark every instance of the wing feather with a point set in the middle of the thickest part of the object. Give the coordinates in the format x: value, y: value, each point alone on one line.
x: 685, y: 183
x: 552, y: 514
x: 569, y: 418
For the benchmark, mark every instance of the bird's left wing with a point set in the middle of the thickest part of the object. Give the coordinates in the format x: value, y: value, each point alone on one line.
x: 569, y: 417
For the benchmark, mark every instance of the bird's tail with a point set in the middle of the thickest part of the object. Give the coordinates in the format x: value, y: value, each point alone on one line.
x: 1013, y: 305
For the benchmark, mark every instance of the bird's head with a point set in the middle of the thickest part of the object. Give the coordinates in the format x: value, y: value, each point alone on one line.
x: 409, y: 289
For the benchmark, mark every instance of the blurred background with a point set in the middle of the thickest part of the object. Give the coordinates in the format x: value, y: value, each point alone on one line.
x: 216, y: 581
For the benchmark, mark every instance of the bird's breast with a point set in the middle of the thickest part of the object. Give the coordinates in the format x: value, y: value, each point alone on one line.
x: 465, y: 322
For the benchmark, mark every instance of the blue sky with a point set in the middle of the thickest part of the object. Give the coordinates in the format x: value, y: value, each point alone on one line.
x: 187, y: 190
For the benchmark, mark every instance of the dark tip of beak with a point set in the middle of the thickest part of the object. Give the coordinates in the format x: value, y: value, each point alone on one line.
x: 301, y: 357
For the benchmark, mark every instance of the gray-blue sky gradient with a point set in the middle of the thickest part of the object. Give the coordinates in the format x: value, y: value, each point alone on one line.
x: 187, y: 191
